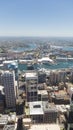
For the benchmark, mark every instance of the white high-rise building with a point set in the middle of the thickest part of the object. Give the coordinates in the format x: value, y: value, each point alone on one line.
x: 31, y: 86
x: 9, y: 86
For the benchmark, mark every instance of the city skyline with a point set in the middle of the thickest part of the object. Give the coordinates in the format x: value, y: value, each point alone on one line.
x: 36, y: 18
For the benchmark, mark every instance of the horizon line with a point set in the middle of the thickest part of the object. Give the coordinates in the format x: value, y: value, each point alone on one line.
x: 36, y: 36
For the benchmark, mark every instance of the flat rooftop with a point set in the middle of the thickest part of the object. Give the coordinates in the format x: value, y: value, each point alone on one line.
x: 62, y: 108
x: 3, y: 119
x: 36, y: 108
x: 7, y: 72
x: 31, y: 75
x: 10, y: 127
x: 27, y: 120
x: 49, y: 107
x: 10, y: 61
x: 43, y: 92
x: 45, y: 127
x: 70, y: 85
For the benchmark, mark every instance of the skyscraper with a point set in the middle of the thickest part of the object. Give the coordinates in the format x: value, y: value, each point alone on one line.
x: 31, y: 86
x: 9, y: 86
x: 70, y: 120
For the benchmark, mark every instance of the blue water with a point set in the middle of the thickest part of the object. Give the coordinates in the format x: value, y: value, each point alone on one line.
x: 33, y: 46
x: 22, y: 67
x: 67, y: 48
x: 59, y: 65
x: 64, y: 48
x: 22, y: 49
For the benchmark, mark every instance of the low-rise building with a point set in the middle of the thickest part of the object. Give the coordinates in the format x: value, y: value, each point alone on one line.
x: 8, y: 122
x: 42, y: 95
x: 36, y: 111
x: 69, y: 89
x: 27, y: 122
x: 42, y: 112
x: 50, y: 112
x: 61, y: 97
x: 10, y: 127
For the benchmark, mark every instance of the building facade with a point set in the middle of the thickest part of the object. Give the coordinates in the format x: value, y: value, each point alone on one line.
x: 31, y: 86
x: 9, y: 87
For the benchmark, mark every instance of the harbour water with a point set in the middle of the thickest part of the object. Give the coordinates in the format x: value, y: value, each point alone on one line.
x: 58, y: 65
x: 64, y: 48
x: 30, y: 47
x: 64, y: 44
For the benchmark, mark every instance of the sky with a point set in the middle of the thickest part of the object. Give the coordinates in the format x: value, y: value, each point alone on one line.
x: 36, y: 18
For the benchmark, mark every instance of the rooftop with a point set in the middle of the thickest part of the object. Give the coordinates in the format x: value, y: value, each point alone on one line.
x: 36, y: 108
x: 3, y: 119
x: 70, y: 85
x: 43, y: 92
x: 31, y: 75
x: 45, y: 59
x: 10, y: 61
x: 45, y: 127
x: 62, y: 108
x: 61, y: 94
x: 10, y: 127
x: 26, y: 120
x: 49, y: 107
x: 7, y: 72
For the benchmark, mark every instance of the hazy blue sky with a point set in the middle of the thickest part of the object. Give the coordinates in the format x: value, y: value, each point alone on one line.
x: 36, y: 17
